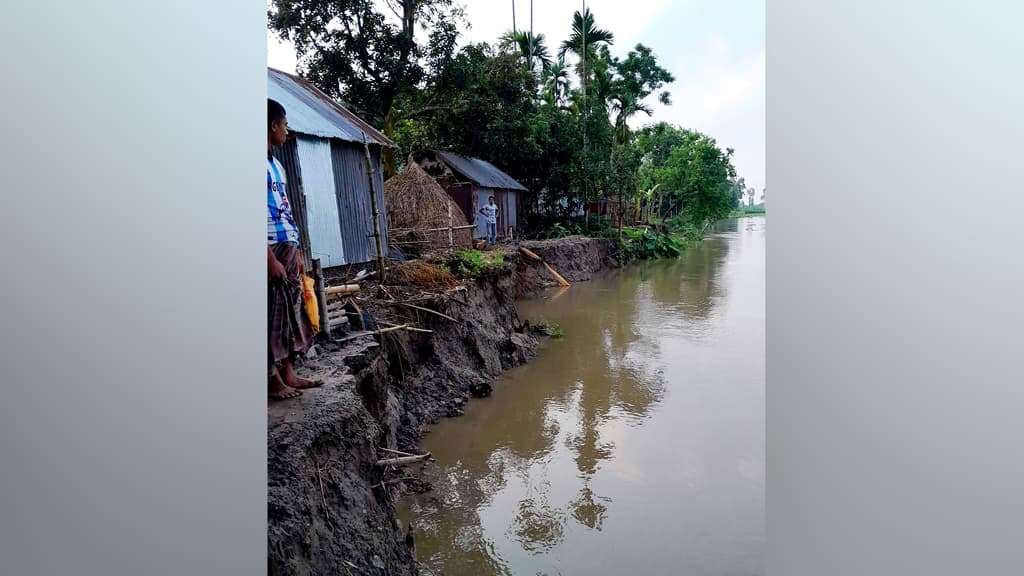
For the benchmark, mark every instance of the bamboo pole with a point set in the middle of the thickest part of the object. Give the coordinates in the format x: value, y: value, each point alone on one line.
x: 342, y: 289
x: 402, y: 460
x: 530, y: 254
x: 557, y: 276
x: 374, y: 332
x: 398, y: 452
x: 321, y: 299
x: 466, y: 227
x: 410, y: 328
x: 375, y: 209
x: 451, y: 223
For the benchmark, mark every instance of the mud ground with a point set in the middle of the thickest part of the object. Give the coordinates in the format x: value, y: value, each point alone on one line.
x: 330, y: 508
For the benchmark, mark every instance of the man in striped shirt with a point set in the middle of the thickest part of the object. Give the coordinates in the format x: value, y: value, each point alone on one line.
x: 290, y: 330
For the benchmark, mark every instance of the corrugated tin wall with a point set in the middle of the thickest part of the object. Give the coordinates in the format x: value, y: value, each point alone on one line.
x: 507, y: 202
x: 321, y: 201
x: 288, y: 156
x: 353, y: 197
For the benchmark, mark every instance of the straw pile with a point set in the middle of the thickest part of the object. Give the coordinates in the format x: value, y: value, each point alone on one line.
x: 416, y: 203
x: 421, y: 274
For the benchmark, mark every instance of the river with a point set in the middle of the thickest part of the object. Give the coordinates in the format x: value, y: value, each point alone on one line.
x: 632, y: 445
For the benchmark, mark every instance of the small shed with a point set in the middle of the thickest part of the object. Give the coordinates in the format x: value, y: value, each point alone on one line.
x: 421, y: 214
x: 470, y: 181
x: 325, y: 163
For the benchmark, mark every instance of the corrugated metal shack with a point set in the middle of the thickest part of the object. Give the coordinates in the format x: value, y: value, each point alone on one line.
x: 470, y: 181
x: 326, y: 169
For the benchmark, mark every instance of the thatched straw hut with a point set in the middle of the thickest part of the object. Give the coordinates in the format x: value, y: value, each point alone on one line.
x: 418, y: 210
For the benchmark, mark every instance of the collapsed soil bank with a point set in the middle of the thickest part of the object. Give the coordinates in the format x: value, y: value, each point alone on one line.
x: 576, y: 258
x: 330, y: 509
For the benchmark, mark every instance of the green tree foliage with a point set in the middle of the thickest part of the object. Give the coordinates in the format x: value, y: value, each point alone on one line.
x: 532, y: 48
x: 565, y: 136
x: 584, y: 41
x: 365, y: 52
x: 697, y: 177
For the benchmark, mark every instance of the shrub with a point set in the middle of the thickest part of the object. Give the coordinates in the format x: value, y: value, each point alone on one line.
x: 473, y: 263
x: 648, y: 245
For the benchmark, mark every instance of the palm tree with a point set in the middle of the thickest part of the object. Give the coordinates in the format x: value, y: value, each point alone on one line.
x: 530, y: 46
x: 585, y: 40
x: 625, y: 105
x: 556, y: 79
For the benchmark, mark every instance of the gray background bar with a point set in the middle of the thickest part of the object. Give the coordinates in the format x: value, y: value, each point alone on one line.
x: 133, y: 415
x: 893, y: 295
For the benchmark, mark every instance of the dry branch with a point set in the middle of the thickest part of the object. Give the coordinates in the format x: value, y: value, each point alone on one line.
x: 401, y: 461
x: 373, y: 333
x: 445, y: 316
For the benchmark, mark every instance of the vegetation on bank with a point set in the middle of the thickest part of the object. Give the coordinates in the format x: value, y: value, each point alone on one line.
x: 550, y: 329
x: 559, y: 119
x: 473, y: 263
x: 755, y: 210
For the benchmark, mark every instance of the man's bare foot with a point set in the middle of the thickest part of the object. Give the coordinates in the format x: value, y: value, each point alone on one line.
x: 278, y: 390
x: 292, y: 379
x: 304, y: 383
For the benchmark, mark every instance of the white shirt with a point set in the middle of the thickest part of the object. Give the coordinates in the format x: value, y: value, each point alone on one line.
x: 491, y: 213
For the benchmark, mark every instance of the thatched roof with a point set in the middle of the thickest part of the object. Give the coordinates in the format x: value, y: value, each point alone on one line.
x: 416, y: 201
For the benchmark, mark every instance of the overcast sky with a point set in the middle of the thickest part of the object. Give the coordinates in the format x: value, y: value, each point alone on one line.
x: 715, y: 50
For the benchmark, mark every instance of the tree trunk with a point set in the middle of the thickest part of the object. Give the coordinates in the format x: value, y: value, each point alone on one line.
x: 387, y: 154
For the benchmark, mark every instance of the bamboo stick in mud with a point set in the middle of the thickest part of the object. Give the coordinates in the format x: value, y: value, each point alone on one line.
x: 375, y: 210
x: 321, y: 299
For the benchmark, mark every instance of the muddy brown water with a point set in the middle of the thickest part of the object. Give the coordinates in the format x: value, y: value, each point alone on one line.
x: 633, y: 445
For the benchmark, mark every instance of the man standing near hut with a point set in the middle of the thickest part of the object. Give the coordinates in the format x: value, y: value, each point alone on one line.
x: 490, y: 213
x: 290, y: 331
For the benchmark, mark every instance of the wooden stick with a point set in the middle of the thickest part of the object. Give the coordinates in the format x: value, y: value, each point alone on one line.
x: 451, y: 235
x: 342, y: 290
x: 556, y: 275
x: 360, y: 322
x: 321, y: 299
x: 374, y: 209
x: 530, y: 254
x: 374, y: 332
x: 426, y: 310
x: 409, y: 329
x: 466, y: 227
x: 399, y: 452
x: 402, y: 460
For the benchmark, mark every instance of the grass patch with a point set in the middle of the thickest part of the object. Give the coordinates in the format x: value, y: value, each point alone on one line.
x: 551, y: 329
x: 473, y: 263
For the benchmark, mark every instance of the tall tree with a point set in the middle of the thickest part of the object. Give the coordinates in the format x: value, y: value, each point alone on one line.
x: 697, y: 175
x: 584, y: 41
x: 355, y: 51
x: 556, y: 82
x: 532, y: 48
x: 636, y: 77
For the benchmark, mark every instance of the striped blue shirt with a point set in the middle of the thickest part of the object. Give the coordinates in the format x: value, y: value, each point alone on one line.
x: 280, y: 222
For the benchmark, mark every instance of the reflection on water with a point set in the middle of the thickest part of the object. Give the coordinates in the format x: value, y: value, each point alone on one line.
x: 634, y: 443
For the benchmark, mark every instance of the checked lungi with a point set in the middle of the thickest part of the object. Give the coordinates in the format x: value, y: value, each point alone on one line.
x: 290, y: 330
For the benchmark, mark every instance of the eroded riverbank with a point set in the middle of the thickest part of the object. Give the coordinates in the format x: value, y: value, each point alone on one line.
x: 330, y: 508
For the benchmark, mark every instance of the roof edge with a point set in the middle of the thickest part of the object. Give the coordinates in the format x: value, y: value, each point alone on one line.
x: 380, y: 138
